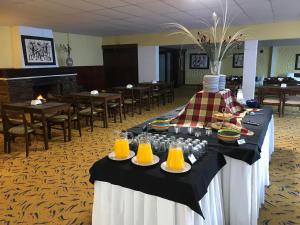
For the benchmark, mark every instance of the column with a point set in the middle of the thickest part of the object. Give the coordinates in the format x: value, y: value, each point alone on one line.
x: 148, y: 63
x: 249, y: 72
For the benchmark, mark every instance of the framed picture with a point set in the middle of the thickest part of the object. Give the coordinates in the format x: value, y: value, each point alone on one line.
x: 297, y: 62
x: 38, y: 51
x: 238, y: 60
x: 199, y: 61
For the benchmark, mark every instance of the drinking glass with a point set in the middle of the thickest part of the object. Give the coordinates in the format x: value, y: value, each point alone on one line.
x: 198, y: 133
x: 208, y: 131
x: 190, y: 130
x: 177, y: 129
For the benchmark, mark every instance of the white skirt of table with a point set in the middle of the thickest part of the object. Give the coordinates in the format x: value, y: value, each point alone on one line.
x: 243, y: 185
x: 116, y: 205
x: 234, y: 197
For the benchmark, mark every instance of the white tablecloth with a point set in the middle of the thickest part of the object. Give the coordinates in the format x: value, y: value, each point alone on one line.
x: 116, y: 205
x: 243, y: 185
x: 234, y: 197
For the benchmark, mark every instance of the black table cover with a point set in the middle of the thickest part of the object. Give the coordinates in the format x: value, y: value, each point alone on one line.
x: 187, y: 188
x: 190, y: 187
x: 249, y: 152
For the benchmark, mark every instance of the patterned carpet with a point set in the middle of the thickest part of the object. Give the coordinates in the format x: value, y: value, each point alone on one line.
x: 52, y: 187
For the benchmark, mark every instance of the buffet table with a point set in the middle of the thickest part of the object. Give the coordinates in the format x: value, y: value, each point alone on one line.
x: 225, y: 194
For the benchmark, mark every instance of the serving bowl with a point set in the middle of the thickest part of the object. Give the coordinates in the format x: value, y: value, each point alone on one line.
x: 159, y: 125
x: 228, y: 135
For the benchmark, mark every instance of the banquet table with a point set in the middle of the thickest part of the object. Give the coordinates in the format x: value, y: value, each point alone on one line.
x: 233, y: 196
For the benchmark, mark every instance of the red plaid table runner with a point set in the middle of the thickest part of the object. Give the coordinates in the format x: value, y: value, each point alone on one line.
x: 200, y: 109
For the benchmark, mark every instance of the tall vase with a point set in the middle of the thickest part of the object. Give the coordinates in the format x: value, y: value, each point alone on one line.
x: 69, y: 60
x: 215, y: 67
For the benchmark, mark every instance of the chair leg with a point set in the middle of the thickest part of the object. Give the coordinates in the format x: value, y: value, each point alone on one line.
x: 9, y: 144
x: 65, y: 131
x: 49, y: 131
x: 5, y: 145
x: 27, y: 144
x: 92, y: 124
x: 115, y: 116
x: 79, y: 126
x: 124, y: 112
x: 29, y: 139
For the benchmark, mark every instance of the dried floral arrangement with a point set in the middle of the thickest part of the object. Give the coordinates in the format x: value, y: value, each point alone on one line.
x: 217, y: 43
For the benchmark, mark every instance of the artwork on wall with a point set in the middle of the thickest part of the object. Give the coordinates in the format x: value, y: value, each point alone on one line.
x: 38, y: 51
x: 297, y: 62
x: 238, y: 60
x: 199, y: 61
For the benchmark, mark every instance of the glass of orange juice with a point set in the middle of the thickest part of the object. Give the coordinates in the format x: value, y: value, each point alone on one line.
x: 121, y: 147
x: 144, y: 152
x: 175, y: 160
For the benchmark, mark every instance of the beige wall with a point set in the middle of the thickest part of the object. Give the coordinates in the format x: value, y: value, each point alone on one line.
x: 6, y: 53
x: 285, y: 57
x: 195, y: 76
x: 282, y: 30
x: 86, y: 50
x: 264, y: 61
x: 285, y: 60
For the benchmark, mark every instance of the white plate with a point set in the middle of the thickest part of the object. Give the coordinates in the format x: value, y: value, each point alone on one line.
x: 113, y: 157
x: 155, y: 161
x: 186, y: 168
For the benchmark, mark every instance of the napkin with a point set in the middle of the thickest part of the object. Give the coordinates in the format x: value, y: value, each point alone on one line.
x: 36, y: 102
x: 94, y: 92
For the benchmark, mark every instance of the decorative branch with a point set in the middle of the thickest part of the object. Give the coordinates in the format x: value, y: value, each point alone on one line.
x: 216, y: 43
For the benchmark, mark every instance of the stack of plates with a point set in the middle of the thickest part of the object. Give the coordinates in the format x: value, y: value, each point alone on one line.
x: 211, y: 83
x: 222, y: 82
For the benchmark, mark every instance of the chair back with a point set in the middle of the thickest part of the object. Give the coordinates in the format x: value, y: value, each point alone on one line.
x: 13, y: 116
x: 129, y: 93
x: 269, y: 91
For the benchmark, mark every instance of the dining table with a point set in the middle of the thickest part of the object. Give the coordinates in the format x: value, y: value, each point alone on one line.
x: 44, y: 109
x: 141, y: 91
x: 104, y: 97
x: 224, y: 186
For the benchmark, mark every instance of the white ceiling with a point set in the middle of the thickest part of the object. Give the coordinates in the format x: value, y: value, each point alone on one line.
x: 116, y: 17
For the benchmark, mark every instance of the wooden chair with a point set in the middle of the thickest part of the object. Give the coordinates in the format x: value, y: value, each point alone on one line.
x: 143, y: 98
x: 158, y: 94
x: 90, y: 111
x: 269, y: 95
x: 73, y: 112
x: 291, y: 99
x: 129, y: 100
x: 60, y: 121
x: 113, y: 106
x: 169, y: 92
x: 10, y: 115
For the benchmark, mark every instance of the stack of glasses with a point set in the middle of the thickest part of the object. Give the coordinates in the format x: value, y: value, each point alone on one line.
x: 222, y: 82
x: 160, y: 145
